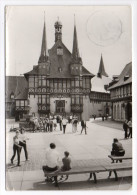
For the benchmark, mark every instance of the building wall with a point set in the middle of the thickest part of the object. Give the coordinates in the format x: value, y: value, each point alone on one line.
x: 86, y: 108
x: 122, y: 102
x: 33, y: 101
x: 96, y: 108
x: 99, y: 108
x: 67, y: 104
x: 120, y: 110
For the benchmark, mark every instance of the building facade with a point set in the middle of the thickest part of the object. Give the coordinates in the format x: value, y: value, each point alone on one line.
x: 59, y: 84
x: 121, y: 94
x: 15, y: 86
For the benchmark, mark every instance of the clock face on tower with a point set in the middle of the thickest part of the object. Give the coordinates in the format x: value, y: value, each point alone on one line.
x: 59, y: 51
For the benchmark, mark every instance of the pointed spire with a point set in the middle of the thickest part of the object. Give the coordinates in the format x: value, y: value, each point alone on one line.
x: 75, y: 50
x: 101, y: 70
x: 44, y: 50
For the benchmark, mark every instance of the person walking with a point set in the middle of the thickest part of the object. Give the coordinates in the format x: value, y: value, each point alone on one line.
x: 125, y: 128
x: 22, y: 142
x: 47, y: 124
x: 83, y: 125
x: 64, y: 123
x: 74, y: 124
x: 16, y: 148
x: 130, y: 128
x: 51, y: 125
x: 60, y: 122
x: 52, y: 161
x: 70, y: 118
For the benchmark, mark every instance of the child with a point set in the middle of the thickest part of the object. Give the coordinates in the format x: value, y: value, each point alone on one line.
x: 66, y: 163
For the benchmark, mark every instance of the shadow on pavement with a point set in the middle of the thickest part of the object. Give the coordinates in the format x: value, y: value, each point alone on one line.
x: 102, y: 184
x: 44, y: 186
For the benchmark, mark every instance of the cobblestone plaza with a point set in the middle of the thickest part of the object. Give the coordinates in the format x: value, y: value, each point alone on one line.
x: 96, y: 145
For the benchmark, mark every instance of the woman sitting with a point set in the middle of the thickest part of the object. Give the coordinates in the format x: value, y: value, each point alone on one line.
x: 117, y: 149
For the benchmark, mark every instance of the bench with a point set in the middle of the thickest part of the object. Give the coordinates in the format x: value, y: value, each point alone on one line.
x: 92, y: 170
x: 119, y: 158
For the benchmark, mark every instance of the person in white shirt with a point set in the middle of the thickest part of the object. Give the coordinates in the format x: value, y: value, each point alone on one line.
x: 22, y: 142
x: 64, y: 123
x: 52, y: 161
x: 54, y: 123
x: 16, y: 148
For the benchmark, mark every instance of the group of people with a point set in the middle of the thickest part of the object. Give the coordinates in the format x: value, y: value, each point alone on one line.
x: 52, y: 162
x: 51, y: 123
x: 19, y: 142
x: 53, y: 158
x: 127, y: 127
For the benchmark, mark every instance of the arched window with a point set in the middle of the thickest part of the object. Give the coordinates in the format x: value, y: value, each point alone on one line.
x: 118, y: 112
x: 115, y: 112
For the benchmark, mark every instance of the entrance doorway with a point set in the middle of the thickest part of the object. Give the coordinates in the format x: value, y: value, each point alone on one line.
x: 60, y: 106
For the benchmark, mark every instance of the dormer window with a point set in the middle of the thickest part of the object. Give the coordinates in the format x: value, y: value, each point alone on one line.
x: 59, y: 51
x: 126, y: 77
x: 12, y: 95
x: 60, y: 69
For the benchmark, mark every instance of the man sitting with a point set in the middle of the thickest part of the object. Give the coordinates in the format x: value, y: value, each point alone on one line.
x: 52, y: 161
x: 117, y: 148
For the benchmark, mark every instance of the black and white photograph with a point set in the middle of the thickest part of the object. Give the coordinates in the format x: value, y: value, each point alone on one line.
x: 68, y: 98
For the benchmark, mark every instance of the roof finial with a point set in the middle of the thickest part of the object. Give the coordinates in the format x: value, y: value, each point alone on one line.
x: 58, y: 18
x: 44, y: 16
x: 74, y: 20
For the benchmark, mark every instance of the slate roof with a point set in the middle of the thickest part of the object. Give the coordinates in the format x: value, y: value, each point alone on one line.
x: 127, y: 71
x: 23, y: 95
x: 101, y: 70
x: 15, y: 85
x: 58, y: 61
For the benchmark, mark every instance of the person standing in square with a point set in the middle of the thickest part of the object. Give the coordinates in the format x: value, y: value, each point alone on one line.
x: 64, y: 123
x: 130, y: 128
x: 16, y: 148
x: 83, y: 125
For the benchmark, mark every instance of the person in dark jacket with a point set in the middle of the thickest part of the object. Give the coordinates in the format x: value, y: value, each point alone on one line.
x: 66, y: 164
x: 130, y: 128
x: 117, y: 149
x: 83, y: 125
x: 125, y: 128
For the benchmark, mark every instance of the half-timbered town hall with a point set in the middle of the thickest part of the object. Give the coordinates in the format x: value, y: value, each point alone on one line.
x: 59, y: 83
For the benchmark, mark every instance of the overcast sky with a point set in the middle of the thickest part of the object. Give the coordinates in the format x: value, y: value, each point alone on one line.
x: 100, y: 29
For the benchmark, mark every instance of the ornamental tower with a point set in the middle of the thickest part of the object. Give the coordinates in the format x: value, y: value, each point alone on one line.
x: 58, y: 31
x: 76, y: 62
x: 43, y: 62
x: 101, y: 70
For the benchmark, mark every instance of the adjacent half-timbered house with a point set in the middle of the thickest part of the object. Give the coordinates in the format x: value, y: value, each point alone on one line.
x: 121, y: 94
